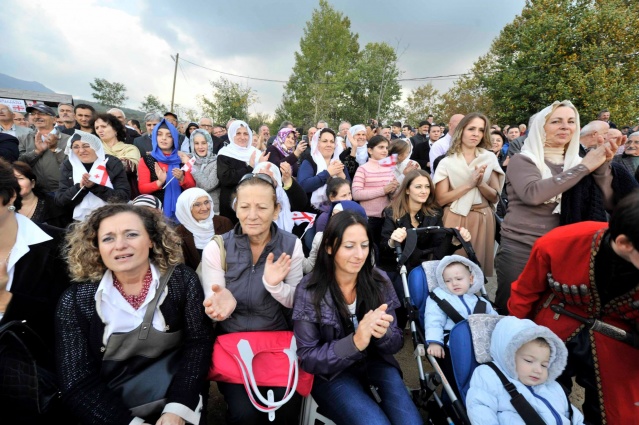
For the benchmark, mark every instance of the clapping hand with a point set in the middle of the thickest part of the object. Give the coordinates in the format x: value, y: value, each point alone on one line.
x: 287, y: 173
x: 221, y: 304
x: 391, y: 186
x: 276, y: 271
x: 335, y: 168
x: 375, y: 323
x: 178, y: 173
x: 85, y: 182
x: 160, y: 173
x: 478, y: 175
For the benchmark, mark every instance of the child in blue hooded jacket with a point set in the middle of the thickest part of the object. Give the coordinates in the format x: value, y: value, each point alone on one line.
x: 531, y: 357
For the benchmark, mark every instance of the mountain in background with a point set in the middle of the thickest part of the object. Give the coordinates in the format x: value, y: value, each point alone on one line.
x: 13, y: 83
x: 9, y: 82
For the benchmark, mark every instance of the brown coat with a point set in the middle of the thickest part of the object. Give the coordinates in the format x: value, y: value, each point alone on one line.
x: 193, y: 256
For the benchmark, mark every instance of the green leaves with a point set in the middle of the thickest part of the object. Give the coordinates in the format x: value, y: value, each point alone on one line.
x: 230, y: 100
x: 153, y: 104
x: 108, y: 93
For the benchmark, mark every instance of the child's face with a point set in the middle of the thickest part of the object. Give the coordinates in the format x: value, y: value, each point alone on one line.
x: 457, y: 278
x: 531, y: 363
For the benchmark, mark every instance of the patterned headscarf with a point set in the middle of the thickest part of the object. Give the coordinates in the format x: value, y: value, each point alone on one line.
x: 280, y: 139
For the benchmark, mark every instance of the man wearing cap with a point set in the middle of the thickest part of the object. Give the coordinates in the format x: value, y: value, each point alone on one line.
x: 44, y: 149
x: 8, y: 126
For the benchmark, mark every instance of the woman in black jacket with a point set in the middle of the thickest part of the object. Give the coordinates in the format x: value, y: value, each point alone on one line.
x: 89, y: 178
x: 414, y: 206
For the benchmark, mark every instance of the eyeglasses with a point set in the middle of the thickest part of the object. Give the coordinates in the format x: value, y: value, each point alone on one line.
x: 201, y: 204
x: 264, y: 177
x: 205, y: 126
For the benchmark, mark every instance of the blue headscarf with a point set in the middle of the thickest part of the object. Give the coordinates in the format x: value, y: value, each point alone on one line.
x: 173, y: 189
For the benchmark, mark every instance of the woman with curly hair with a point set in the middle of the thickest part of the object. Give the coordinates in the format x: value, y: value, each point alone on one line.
x: 118, y: 256
x: 468, y: 183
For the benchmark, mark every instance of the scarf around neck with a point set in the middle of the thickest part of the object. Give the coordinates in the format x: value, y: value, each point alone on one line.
x: 173, y: 189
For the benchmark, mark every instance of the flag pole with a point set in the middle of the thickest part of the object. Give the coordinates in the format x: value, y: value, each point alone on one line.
x: 76, y: 194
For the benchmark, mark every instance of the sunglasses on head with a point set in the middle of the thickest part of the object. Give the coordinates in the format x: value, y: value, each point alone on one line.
x: 264, y: 177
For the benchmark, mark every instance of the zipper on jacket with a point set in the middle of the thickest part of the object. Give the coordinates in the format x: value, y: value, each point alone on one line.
x: 461, y: 298
x: 548, y: 405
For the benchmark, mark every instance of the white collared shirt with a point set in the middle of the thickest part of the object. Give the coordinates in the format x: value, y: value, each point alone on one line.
x: 116, y: 312
x: 11, y: 130
x: 29, y: 233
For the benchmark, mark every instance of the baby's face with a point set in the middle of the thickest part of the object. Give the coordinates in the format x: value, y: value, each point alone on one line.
x: 531, y: 363
x: 457, y: 278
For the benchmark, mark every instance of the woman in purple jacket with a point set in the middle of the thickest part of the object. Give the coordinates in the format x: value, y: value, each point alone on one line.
x: 344, y: 323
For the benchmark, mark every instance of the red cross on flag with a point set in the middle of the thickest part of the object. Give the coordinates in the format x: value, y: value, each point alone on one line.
x: 99, y: 173
x: 300, y: 217
x: 389, y: 161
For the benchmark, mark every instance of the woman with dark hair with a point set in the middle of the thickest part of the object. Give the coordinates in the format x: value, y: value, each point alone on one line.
x: 374, y: 184
x: 414, y: 206
x: 344, y: 324
x: 254, y: 290
x: 33, y: 275
x: 89, y: 178
x: 113, y: 134
x: 37, y: 205
x: 468, y: 184
x: 118, y: 257
x: 496, y: 145
x: 323, y: 164
x: 189, y: 130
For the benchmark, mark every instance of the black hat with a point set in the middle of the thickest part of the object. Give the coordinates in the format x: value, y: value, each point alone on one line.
x: 41, y: 107
x: 172, y: 114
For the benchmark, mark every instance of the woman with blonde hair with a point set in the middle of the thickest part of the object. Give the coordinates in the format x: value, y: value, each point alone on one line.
x: 468, y: 183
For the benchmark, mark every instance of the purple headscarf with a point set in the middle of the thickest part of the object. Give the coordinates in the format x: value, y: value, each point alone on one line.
x: 279, y: 141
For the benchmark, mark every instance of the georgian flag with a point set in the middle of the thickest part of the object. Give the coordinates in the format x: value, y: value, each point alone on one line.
x: 189, y: 165
x: 389, y: 161
x: 99, y: 173
x: 300, y: 217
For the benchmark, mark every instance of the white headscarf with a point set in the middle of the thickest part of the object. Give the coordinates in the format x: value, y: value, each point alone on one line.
x: 236, y: 151
x: 362, y: 151
x: 285, y: 217
x: 202, y: 230
x: 534, y: 146
x: 90, y: 202
x: 318, y: 197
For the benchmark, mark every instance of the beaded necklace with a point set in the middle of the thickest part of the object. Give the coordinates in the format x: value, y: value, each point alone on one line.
x: 135, y: 300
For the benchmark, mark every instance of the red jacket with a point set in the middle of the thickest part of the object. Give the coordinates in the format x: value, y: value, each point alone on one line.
x: 565, y: 255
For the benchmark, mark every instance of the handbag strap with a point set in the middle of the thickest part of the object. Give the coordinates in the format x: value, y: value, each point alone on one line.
x: 519, y: 402
x: 246, y: 366
x: 145, y: 327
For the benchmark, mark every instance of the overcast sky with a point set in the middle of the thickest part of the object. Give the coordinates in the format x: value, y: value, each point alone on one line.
x: 65, y: 44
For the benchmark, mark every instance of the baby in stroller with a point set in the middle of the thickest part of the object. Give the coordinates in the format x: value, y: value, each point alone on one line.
x: 453, y: 300
x: 529, y: 357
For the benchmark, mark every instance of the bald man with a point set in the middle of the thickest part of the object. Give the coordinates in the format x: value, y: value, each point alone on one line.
x: 441, y: 146
x: 593, y: 134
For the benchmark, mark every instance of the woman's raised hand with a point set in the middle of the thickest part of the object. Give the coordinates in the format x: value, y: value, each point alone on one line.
x: 375, y: 323
x: 221, y: 304
x: 287, y: 173
x: 595, y: 157
x: 335, y: 168
x: 86, y: 180
x: 184, y: 157
x: 160, y: 173
x: 276, y: 271
x: 478, y: 175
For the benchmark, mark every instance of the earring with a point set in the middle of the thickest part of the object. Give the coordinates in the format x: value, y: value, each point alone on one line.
x: 12, y: 208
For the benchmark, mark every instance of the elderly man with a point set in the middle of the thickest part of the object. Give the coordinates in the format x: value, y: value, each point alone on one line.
x: 20, y: 120
x: 9, y: 126
x: 67, y: 116
x: 143, y: 142
x: 264, y: 131
x: 206, y: 123
x: 422, y: 133
x: 440, y: 147
x: 592, y: 135
x: 44, y: 149
x: 630, y: 156
x: 84, y: 115
x: 131, y: 133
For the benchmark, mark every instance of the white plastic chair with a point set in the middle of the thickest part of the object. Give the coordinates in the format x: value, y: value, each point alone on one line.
x: 310, y: 414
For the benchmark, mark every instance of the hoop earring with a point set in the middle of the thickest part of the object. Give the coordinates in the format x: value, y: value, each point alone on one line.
x: 12, y: 208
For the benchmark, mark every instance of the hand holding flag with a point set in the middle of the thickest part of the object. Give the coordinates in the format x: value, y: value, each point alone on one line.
x: 188, y: 166
x: 97, y: 175
x: 389, y: 161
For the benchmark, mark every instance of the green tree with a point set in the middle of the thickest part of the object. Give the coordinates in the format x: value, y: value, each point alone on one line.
x: 108, y: 93
x: 152, y: 104
x: 582, y: 50
x: 421, y: 102
x: 258, y: 119
x: 465, y: 96
x: 229, y: 100
x: 328, y: 50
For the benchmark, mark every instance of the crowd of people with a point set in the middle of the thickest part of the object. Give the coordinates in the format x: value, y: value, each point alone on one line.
x: 98, y: 212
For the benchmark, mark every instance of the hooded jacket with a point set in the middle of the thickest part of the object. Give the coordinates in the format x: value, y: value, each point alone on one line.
x: 488, y: 402
x: 436, y: 321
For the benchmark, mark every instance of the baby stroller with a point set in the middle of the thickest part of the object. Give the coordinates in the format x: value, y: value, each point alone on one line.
x: 435, y: 393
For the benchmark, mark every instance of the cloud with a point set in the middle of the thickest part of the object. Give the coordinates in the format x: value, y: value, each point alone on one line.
x: 66, y: 44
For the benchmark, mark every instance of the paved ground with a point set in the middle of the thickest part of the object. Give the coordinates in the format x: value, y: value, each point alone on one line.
x: 406, y: 360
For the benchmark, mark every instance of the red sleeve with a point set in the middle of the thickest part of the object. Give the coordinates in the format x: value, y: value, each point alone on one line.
x: 532, y: 283
x: 188, y: 181
x: 145, y: 185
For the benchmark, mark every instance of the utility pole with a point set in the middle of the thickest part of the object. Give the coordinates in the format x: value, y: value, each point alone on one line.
x: 177, y: 58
